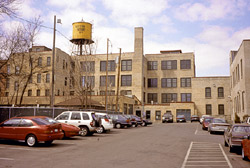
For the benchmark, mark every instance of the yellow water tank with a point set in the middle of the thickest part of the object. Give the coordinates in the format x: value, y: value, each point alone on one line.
x: 82, y: 30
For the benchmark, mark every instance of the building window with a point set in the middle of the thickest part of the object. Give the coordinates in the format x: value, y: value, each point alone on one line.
x: 170, y: 64
x: 152, y: 97
x: 71, y: 93
x: 152, y: 65
x: 6, y: 94
x: 111, y: 80
x: 47, y: 78
x: 185, y: 82
x: 16, y: 85
x: 208, y: 92
x: 48, y: 61
x: 88, y: 66
x: 109, y: 93
x: 89, y: 82
x: 186, y: 97
x: 125, y: 108
x: 221, y: 109
x: 63, y: 64
x: 29, y: 92
x: 185, y: 64
x: 241, y: 69
x: 168, y: 82
x: 126, y: 80
x: 152, y: 82
x: 39, y: 61
x: 157, y: 115
x: 38, y: 78
x: 17, y: 70
x: 168, y: 97
x: 243, y: 101
x: 30, y: 80
x: 125, y: 92
x: 208, y: 109
x: 7, y: 83
x: 38, y: 92
x: 47, y: 92
x: 65, y: 81
x: 111, y: 65
x: 130, y: 109
x: 8, y: 69
x: 221, y: 92
x: 126, y: 65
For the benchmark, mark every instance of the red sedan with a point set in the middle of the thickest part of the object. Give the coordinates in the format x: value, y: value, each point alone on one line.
x: 67, y: 129
x: 31, y: 129
x: 206, y: 122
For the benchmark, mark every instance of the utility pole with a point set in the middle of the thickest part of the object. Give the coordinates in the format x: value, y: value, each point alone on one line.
x: 106, y: 91
x: 53, y: 65
x: 118, y: 80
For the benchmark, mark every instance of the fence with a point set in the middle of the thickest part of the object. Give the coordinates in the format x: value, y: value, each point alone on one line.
x: 8, y: 112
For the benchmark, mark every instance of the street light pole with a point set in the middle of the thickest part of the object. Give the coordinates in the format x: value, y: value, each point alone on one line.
x: 106, y: 91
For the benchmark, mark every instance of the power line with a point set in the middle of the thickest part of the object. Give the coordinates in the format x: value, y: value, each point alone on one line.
x: 40, y: 25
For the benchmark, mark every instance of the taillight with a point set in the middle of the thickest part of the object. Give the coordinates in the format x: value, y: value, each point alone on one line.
x: 92, y: 124
x: 107, y: 120
x: 127, y: 120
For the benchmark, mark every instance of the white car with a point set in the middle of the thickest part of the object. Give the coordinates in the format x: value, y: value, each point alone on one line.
x: 105, y: 123
x: 202, y: 118
x: 85, y: 120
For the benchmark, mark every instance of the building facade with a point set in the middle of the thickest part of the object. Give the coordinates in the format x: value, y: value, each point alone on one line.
x: 147, y: 85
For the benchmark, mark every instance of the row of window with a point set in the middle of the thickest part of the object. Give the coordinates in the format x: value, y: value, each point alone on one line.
x: 237, y: 73
x: 208, y: 93
x: 221, y: 110
x: 169, y: 82
x: 168, y: 97
x: 169, y: 64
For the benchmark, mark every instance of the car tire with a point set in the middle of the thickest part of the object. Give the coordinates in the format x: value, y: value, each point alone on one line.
x: 100, y: 130
x: 84, y: 131
x: 118, y: 125
x: 31, y: 140
x: 225, y: 143
x: 243, y: 154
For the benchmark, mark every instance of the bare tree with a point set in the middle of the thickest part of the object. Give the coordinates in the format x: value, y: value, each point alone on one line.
x: 9, y: 7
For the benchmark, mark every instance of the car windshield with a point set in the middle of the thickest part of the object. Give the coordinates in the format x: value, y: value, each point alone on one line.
x: 208, y: 119
x: 194, y: 116
x: 217, y: 120
x: 50, y: 120
x: 180, y: 116
x: 40, y: 121
x: 241, y: 129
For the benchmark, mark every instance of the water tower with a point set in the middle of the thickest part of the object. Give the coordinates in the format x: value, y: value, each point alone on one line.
x: 82, y: 36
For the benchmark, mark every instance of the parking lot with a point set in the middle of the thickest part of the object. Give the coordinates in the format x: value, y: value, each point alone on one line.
x: 160, y: 145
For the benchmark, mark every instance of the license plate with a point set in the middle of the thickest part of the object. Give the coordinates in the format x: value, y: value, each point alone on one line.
x: 56, y: 130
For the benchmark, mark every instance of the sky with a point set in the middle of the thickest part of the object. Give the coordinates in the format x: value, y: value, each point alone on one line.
x: 209, y: 28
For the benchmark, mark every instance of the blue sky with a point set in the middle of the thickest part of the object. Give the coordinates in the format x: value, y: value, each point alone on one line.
x: 209, y: 28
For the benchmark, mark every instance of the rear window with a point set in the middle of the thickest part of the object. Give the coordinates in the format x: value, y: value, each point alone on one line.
x: 208, y: 119
x: 219, y: 121
x: 51, y: 120
x: 241, y: 129
x: 40, y: 121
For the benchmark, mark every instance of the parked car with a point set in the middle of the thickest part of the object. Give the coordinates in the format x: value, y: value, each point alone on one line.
x: 245, y: 146
x: 85, y: 120
x: 120, y: 121
x: 202, y: 118
x: 105, y: 122
x: 167, y: 118
x: 180, y: 118
x: 206, y: 122
x: 32, y: 129
x: 137, y: 119
x: 67, y: 129
x: 235, y: 134
x: 195, y: 118
x: 132, y: 120
x: 217, y: 125
x: 247, y: 120
x: 146, y: 122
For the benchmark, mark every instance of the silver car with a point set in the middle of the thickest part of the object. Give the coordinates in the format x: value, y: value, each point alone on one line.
x: 217, y: 125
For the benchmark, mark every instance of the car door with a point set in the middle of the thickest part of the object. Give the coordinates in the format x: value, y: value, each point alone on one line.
x: 75, y: 118
x: 8, y: 128
x: 63, y: 118
x: 24, y: 128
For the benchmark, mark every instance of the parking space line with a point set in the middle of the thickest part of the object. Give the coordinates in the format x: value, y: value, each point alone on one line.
x: 6, y: 159
x: 205, y: 154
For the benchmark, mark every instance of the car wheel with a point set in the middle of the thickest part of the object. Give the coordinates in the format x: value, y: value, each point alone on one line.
x: 48, y: 143
x: 243, y: 154
x: 84, y: 131
x: 143, y: 124
x: 31, y: 140
x: 64, y: 136
x: 100, y: 130
x: 118, y: 125
x: 225, y: 143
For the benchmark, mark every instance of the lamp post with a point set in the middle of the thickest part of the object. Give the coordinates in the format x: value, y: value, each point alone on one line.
x: 52, y: 96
